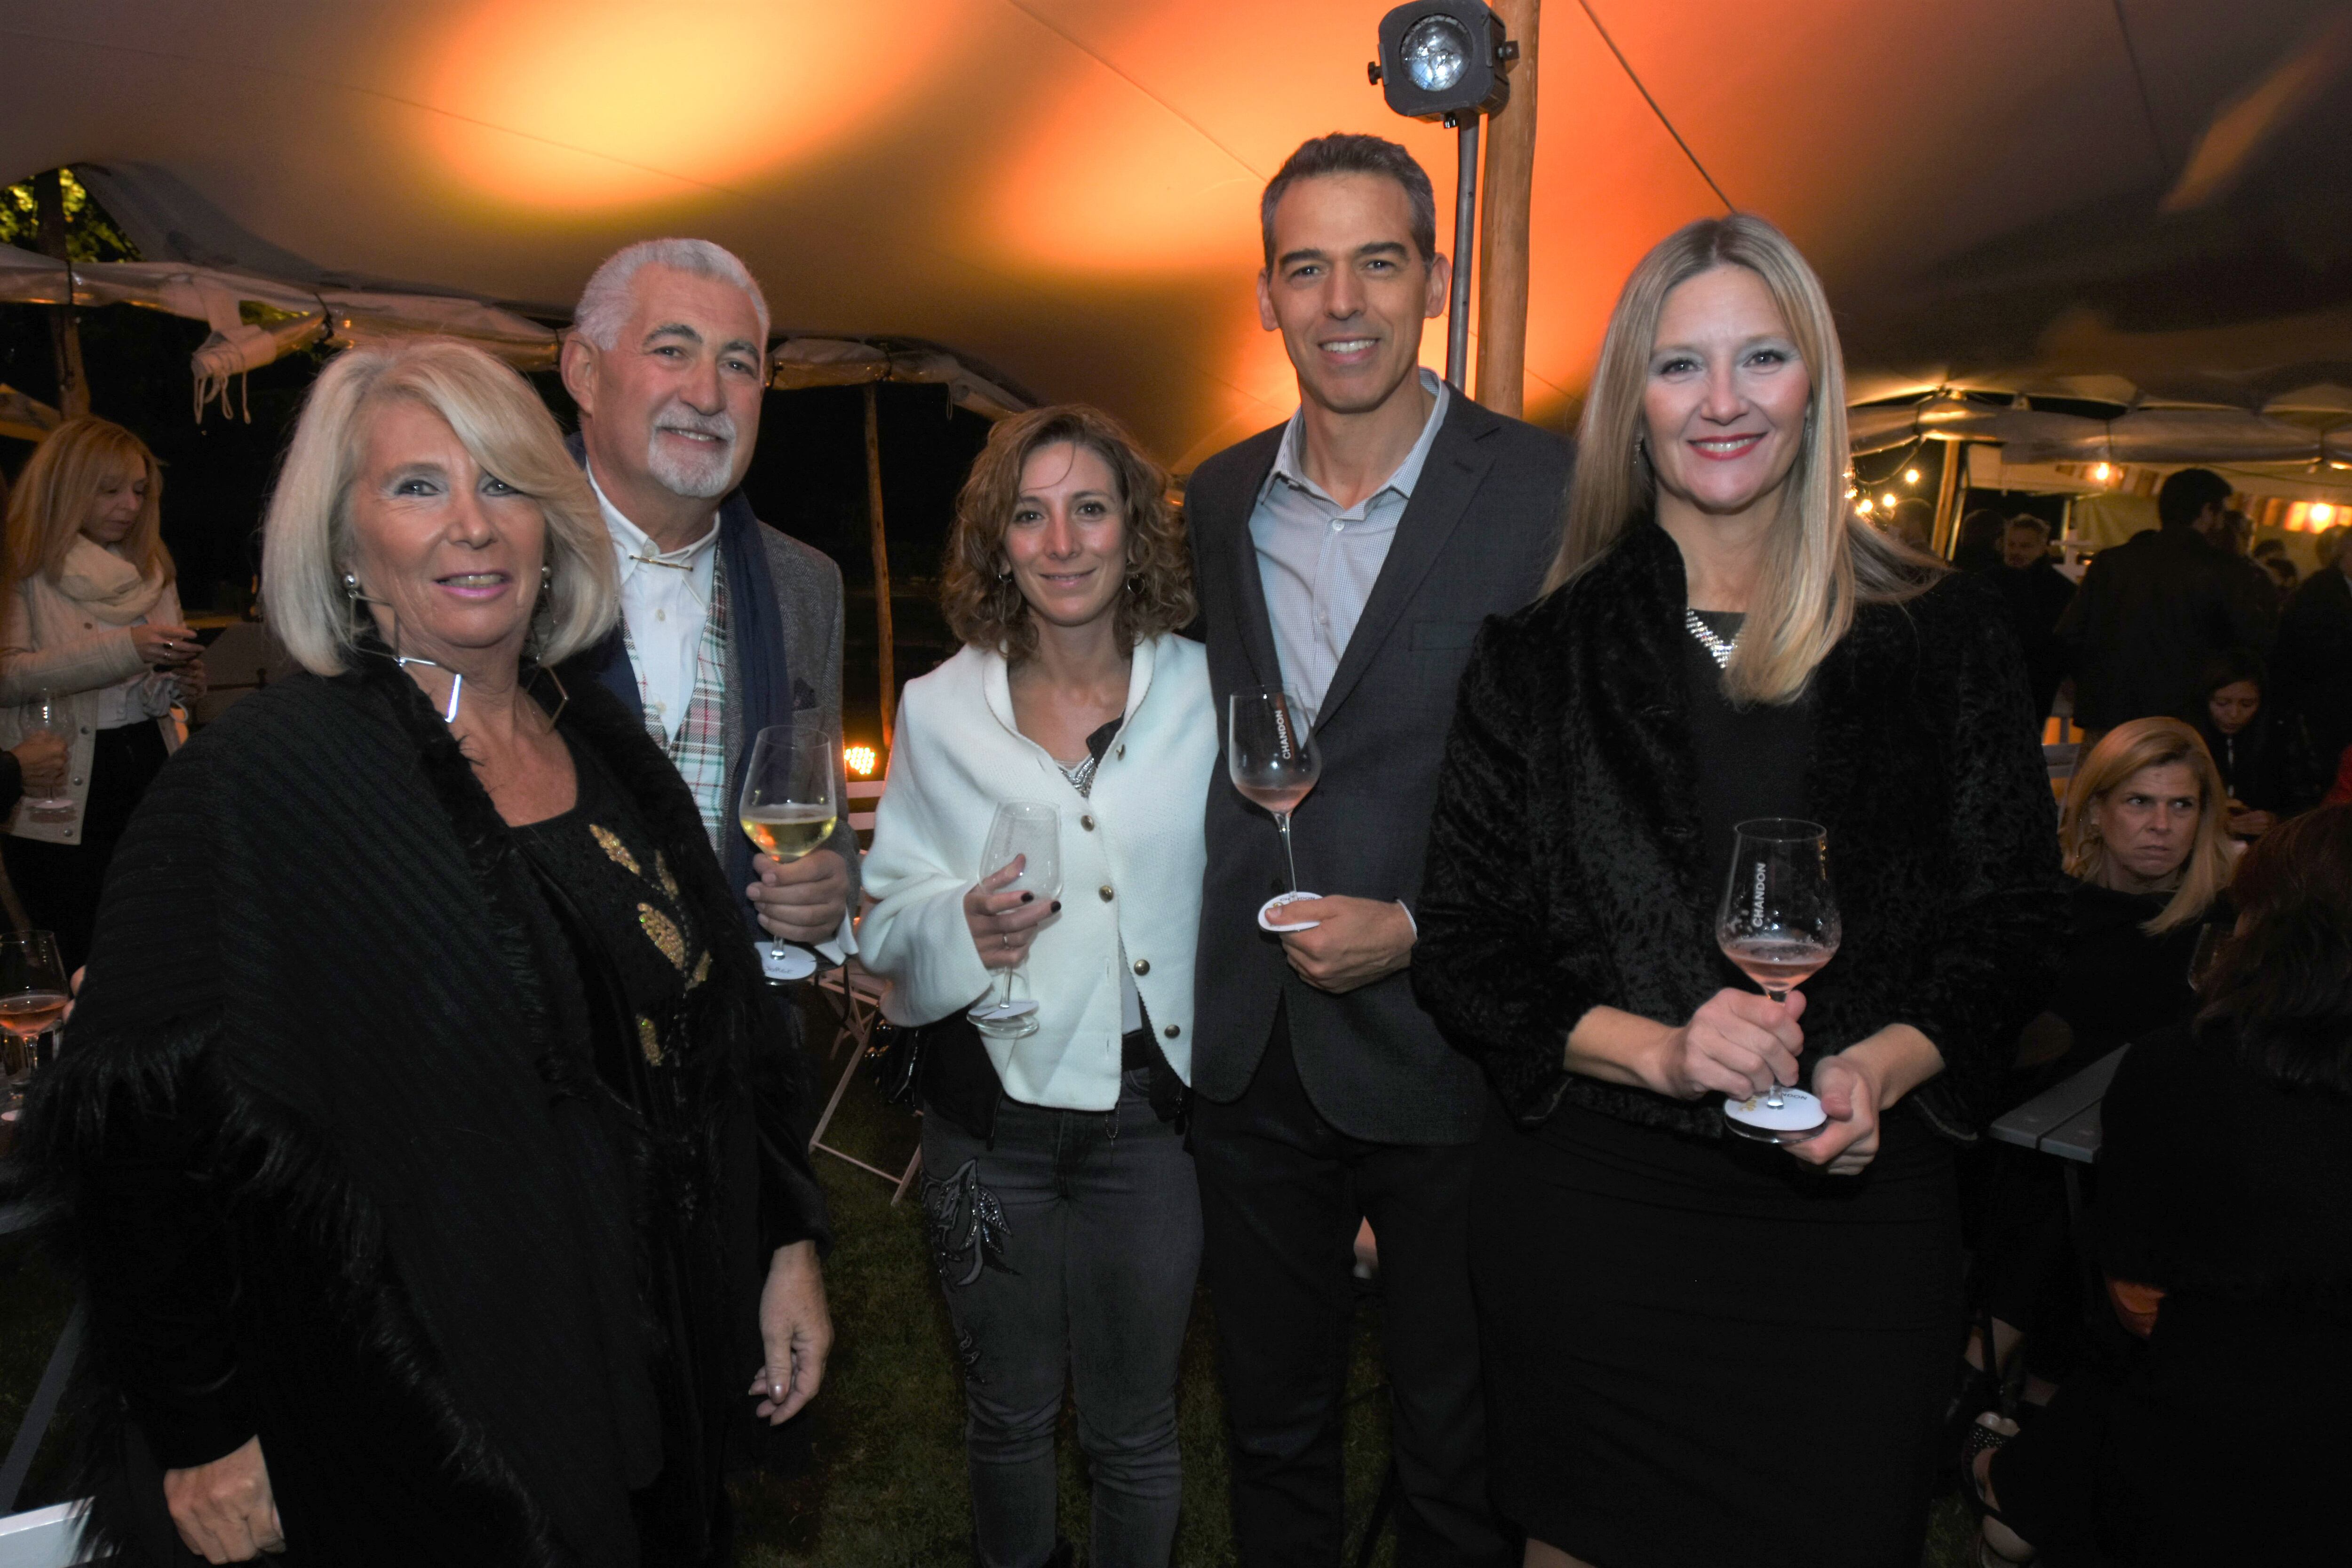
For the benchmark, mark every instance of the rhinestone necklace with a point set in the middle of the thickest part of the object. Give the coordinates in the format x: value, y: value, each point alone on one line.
x: 1720, y: 648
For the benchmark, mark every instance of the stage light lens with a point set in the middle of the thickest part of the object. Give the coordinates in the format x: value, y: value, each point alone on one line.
x: 1436, y: 52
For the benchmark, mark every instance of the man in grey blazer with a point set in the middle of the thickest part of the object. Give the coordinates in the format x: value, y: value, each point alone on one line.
x: 727, y: 625
x: 1349, y: 556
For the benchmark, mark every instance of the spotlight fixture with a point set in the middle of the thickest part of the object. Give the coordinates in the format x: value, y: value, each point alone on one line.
x: 1441, y: 59
x: 2100, y: 472
x: 860, y: 759
x: 2322, y: 513
x: 1448, y: 61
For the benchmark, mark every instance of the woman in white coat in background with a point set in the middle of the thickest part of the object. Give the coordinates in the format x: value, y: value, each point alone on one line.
x: 1064, y: 1219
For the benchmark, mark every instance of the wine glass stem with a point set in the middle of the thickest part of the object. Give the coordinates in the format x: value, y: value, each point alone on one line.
x: 1773, y: 1098
x: 1282, y: 820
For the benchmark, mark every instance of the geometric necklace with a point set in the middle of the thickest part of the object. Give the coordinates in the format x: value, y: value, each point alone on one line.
x: 1721, y: 649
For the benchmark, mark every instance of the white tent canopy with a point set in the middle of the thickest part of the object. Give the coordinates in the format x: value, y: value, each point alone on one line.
x: 2151, y: 191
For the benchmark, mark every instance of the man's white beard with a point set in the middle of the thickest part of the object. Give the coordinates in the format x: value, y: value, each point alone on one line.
x: 700, y: 478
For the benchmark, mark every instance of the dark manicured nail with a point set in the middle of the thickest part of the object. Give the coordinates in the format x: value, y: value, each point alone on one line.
x: 1056, y: 909
x: 1028, y: 898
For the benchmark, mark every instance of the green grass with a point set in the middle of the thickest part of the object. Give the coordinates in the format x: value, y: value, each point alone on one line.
x: 884, y: 1485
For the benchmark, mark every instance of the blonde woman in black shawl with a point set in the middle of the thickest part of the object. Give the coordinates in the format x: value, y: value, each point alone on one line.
x: 427, y: 1141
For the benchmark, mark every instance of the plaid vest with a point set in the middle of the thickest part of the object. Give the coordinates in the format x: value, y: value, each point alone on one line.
x: 698, y: 749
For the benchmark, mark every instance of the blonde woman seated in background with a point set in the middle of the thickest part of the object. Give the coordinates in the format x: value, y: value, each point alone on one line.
x: 1064, y: 1222
x: 2146, y: 837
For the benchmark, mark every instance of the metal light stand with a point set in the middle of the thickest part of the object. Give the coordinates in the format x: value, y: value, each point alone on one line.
x: 1465, y: 234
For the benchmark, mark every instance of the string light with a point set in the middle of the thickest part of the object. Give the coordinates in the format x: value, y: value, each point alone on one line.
x: 861, y: 760
x: 1910, y: 476
x: 1865, y: 506
x: 1887, y: 501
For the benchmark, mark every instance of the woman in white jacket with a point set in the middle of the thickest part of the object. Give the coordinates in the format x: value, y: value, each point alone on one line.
x: 1064, y: 1222
x: 88, y: 614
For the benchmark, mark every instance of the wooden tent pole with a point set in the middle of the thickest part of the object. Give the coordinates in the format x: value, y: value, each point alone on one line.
x: 880, y: 543
x: 1502, y: 234
x: 1948, y: 496
x: 65, y: 337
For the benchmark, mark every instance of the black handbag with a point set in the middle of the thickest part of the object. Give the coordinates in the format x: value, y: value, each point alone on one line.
x: 894, y: 1056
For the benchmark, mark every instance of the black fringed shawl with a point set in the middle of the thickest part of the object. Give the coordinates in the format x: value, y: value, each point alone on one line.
x: 1564, y: 869
x: 317, y: 1026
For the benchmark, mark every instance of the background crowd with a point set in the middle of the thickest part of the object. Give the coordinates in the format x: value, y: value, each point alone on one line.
x: 449, y: 1220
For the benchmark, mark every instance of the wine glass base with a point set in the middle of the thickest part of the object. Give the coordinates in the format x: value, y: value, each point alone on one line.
x: 782, y: 961
x: 1011, y: 1020
x: 1798, y: 1117
x: 1274, y: 906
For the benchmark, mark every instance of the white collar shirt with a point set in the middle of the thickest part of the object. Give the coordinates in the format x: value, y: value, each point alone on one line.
x: 1318, y: 561
x: 666, y: 600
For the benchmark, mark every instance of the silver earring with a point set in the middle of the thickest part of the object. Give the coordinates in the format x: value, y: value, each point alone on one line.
x: 351, y: 586
x: 546, y: 578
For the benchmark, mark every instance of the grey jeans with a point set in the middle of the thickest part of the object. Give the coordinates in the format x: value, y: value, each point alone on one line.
x: 1072, y: 1243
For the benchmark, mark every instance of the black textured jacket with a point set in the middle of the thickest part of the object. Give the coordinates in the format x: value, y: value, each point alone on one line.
x: 313, y: 1149
x: 1564, y: 869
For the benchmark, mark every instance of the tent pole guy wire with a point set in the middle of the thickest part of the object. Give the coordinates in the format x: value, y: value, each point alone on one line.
x: 2139, y: 81
x: 1628, y: 67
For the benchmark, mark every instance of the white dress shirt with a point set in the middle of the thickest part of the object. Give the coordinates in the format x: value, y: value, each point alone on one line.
x: 665, y: 599
x: 1318, y: 560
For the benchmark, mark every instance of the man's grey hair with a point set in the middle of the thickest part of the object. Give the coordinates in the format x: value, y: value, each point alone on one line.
x: 605, y: 302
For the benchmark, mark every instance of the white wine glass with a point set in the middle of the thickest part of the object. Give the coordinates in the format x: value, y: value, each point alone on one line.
x: 47, y: 711
x: 1029, y: 831
x: 789, y: 807
x: 33, y: 997
x: 1271, y: 756
x: 1779, y: 923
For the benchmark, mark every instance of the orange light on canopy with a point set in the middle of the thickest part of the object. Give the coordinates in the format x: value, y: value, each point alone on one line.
x: 589, y: 105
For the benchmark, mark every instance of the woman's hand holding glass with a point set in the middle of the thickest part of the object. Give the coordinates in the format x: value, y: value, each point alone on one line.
x: 165, y: 647
x: 1003, y: 919
x: 1738, y: 1044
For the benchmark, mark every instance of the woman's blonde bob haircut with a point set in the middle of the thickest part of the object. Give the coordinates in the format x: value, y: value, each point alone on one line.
x: 2121, y: 752
x: 983, y: 604
x: 1822, y: 560
x: 306, y: 545
x: 58, y: 490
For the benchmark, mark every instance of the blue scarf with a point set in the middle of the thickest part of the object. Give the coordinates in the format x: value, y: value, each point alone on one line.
x: 760, y: 685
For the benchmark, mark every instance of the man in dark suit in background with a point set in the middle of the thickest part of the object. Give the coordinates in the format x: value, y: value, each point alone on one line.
x: 2315, y: 654
x: 2153, y: 611
x: 2036, y: 594
x: 1349, y: 556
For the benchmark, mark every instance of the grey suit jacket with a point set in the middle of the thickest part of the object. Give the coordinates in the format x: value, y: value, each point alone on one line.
x: 1474, y: 541
x: 808, y: 586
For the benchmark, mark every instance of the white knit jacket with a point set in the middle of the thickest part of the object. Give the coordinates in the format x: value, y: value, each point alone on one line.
x: 1132, y: 854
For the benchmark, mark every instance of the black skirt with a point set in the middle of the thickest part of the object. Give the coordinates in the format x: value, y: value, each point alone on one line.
x: 1702, y: 1352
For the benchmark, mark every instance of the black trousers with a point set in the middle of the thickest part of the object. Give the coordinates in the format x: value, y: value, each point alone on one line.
x: 60, y: 883
x: 1282, y: 1193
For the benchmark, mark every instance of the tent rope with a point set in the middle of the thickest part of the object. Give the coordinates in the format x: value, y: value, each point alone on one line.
x: 1628, y: 68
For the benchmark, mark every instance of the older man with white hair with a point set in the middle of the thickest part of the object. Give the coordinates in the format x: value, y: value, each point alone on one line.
x: 727, y: 625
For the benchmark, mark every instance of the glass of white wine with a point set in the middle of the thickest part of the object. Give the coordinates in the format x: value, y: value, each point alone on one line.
x: 47, y: 711
x: 790, y: 804
x: 1779, y: 923
x: 1029, y: 831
